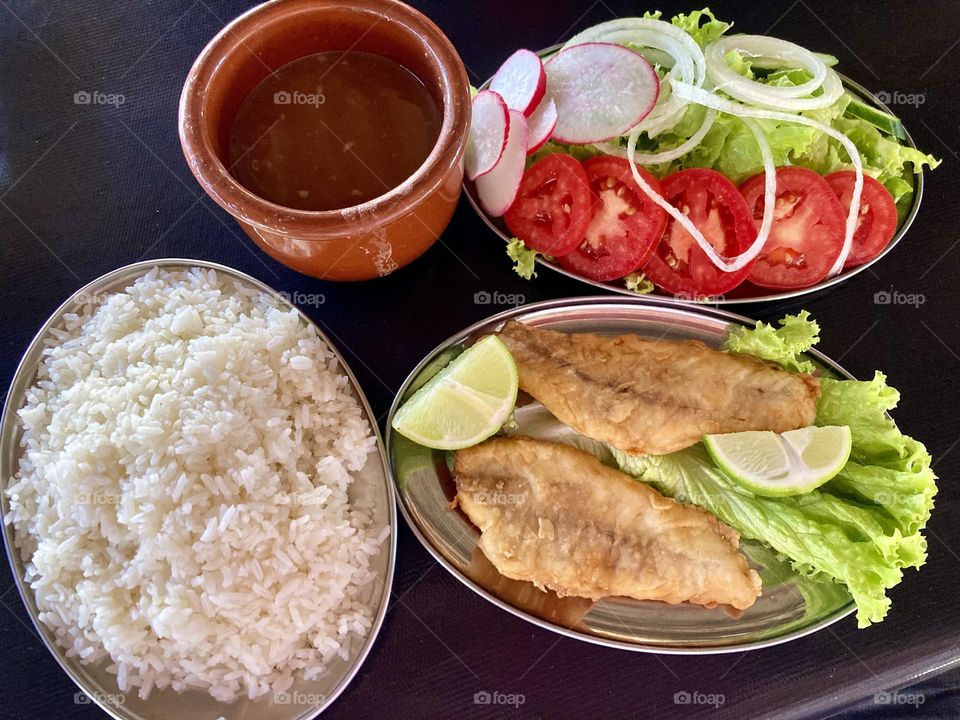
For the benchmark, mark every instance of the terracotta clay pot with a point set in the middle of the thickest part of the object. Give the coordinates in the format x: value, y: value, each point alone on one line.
x: 356, y: 243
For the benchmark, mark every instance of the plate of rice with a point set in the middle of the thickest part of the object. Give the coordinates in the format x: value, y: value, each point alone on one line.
x: 196, y: 502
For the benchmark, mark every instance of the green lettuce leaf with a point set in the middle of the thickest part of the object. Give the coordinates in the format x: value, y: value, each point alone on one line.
x: 524, y: 259
x: 701, y: 25
x: 784, y: 345
x: 579, y: 152
x: 860, y: 529
x: 730, y: 148
x: 639, y: 283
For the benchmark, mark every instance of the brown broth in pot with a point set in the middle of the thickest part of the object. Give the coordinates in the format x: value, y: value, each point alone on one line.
x: 333, y: 130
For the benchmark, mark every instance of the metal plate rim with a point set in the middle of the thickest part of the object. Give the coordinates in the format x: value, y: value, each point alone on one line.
x: 8, y: 429
x: 902, y: 229
x: 571, y: 305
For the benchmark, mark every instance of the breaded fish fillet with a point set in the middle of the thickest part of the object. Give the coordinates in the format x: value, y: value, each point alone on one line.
x: 653, y: 397
x: 556, y: 516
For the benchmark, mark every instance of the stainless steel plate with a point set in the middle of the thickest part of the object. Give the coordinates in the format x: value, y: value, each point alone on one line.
x: 305, y: 699
x: 790, y: 606
x: 746, y: 293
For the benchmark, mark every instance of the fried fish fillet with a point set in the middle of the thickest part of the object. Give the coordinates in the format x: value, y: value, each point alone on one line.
x: 558, y: 517
x: 653, y: 397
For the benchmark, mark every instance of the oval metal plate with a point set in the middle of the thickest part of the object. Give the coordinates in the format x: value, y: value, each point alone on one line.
x: 305, y: 699
x: 746, y: 293
x: 790, y: 606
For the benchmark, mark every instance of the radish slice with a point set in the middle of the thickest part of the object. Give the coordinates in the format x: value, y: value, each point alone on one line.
x: 540, y: 125
x: 663, y: 44
x: 488, y: 133
x: 521, y: 81
x: 498, y: 188
x: 602, y: 91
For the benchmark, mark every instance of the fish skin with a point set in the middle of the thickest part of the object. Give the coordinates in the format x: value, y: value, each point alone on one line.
x: 654, y: 397
x: 556, y: 516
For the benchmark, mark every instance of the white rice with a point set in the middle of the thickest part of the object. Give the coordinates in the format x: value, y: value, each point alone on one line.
x: 181, y: 503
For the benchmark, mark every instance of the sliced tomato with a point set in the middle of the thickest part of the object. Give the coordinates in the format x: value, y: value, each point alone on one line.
x: 626, y: 224
x: 553, y: 205
x: 718, y: 210
x: 807, y: 233
x: 877, y: 221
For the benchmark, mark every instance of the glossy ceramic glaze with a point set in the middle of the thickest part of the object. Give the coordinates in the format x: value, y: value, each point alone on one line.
x: 364, y: 241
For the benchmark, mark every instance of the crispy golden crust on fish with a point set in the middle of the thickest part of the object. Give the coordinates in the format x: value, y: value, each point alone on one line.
x: 556, y: 516
x: 654, y: 397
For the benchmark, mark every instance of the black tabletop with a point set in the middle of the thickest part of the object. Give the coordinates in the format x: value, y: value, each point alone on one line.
x: 86, y: 188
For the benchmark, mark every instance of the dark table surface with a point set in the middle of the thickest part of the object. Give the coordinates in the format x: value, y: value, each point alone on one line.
x: 88, y: 188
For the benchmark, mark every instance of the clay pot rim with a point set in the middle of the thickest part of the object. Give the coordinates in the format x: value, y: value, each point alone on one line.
x: 206, y: 165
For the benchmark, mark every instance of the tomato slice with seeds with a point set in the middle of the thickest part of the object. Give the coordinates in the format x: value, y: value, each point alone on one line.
x: 807, y: 234
x: 553, y: 205
x: 626, y: 224
x: 877, y: 221
x: 718, y: 210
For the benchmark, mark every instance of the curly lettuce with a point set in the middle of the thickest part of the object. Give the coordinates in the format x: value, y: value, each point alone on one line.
x: 784, y: 345
x: 524, y: 259
x: 859, y: 530
x: 730, y: 148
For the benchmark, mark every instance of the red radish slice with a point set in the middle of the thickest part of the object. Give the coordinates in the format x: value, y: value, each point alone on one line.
x: 488, y: 133
x: 540, y: 125
x: 498, y: 188
x: 602, y: 90
x: 521, y: 81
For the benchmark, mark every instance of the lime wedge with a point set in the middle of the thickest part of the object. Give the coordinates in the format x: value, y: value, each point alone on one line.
x: 465, y: 402
x: 777, y: 465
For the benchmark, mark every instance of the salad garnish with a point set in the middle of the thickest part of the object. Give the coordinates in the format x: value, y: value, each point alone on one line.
x: 524, y: 259
x: 686, y: 94
x: 639, y: 283
x: 861, y: 528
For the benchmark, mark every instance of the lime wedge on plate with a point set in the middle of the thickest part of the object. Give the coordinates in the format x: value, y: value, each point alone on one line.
x: 464, y: 403
x: 777, y: 465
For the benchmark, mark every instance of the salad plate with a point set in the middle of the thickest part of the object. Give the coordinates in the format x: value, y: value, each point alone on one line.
x: 746, y: 292
x: 790, y: 606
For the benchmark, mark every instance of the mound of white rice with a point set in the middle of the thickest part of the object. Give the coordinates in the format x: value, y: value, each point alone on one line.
x: 181, y: 503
